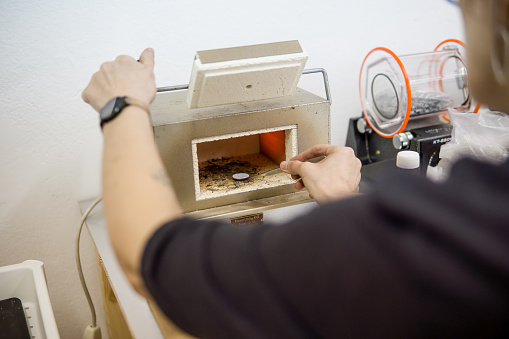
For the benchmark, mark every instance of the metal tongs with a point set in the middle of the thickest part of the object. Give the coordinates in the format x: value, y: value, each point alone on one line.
x: 271, y: 172
x: 244, y: 176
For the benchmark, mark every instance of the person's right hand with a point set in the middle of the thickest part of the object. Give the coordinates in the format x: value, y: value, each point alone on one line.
x: 335, y: 176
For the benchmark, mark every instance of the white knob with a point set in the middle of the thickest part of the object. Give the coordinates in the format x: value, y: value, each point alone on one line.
x: 408, y: 160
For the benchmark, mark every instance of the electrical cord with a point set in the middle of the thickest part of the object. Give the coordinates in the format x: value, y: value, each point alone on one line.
x: 93, y: 331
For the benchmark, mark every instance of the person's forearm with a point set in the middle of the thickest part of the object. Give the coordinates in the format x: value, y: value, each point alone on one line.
x: 137, y: 193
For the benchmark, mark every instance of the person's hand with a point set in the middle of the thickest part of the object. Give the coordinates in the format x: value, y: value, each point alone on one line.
x: 123, y: 77
x: 335, y: 176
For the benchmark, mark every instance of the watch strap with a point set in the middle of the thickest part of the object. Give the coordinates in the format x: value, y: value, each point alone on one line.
x: 121, y: 105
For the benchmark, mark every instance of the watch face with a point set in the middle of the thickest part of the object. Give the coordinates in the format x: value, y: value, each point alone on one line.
x: 107, y: 111
x: 112, y: 109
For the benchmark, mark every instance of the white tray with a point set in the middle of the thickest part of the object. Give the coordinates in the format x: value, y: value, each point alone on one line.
x: 27, y: 282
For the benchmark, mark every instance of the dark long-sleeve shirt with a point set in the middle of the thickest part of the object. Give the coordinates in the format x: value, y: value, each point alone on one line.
x: 409, y: 259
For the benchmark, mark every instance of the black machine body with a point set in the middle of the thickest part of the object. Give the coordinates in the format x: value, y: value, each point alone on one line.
x: 378, y: 154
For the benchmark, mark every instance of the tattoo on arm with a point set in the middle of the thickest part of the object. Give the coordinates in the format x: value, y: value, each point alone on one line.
x: 162, y: 177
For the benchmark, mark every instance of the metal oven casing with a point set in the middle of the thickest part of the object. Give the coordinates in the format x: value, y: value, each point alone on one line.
x: 176, y: 126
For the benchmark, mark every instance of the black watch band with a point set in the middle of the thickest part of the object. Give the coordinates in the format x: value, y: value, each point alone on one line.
x: 115, y: 106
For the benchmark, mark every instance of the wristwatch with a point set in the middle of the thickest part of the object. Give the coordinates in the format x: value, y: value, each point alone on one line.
x: 115, y: 106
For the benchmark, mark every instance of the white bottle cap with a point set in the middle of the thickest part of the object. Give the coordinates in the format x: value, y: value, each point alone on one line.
x: 408, y: 160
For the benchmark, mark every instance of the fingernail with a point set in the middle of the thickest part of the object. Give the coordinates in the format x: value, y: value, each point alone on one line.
x: 151, y: 51
x: 284, y: 165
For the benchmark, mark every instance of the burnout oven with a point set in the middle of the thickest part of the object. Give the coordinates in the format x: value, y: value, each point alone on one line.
x: 241, y: 113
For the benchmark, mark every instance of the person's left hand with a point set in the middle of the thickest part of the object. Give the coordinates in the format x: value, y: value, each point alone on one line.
x: 123, y: 77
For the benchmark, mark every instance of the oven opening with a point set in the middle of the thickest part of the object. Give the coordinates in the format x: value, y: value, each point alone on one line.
x: 217, y: 159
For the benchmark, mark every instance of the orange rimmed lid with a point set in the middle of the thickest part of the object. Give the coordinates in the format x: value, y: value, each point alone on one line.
x: 384, y: 89
x: 460, y: 47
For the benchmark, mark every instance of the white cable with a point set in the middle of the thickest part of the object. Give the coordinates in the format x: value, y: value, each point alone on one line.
x: 93, y: 327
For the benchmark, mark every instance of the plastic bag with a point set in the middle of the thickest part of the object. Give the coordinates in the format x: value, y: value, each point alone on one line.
x: 482, y: 136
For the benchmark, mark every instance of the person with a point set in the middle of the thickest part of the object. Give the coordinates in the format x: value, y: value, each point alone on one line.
x: 411, y: 258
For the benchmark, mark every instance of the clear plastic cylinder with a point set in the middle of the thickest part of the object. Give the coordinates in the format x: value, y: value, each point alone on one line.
x: 394, y: 89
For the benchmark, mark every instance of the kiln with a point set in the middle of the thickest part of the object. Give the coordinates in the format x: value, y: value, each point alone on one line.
x: 241, y: 113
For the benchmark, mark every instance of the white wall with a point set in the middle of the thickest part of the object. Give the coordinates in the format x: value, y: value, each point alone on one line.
x: 50, y: 143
